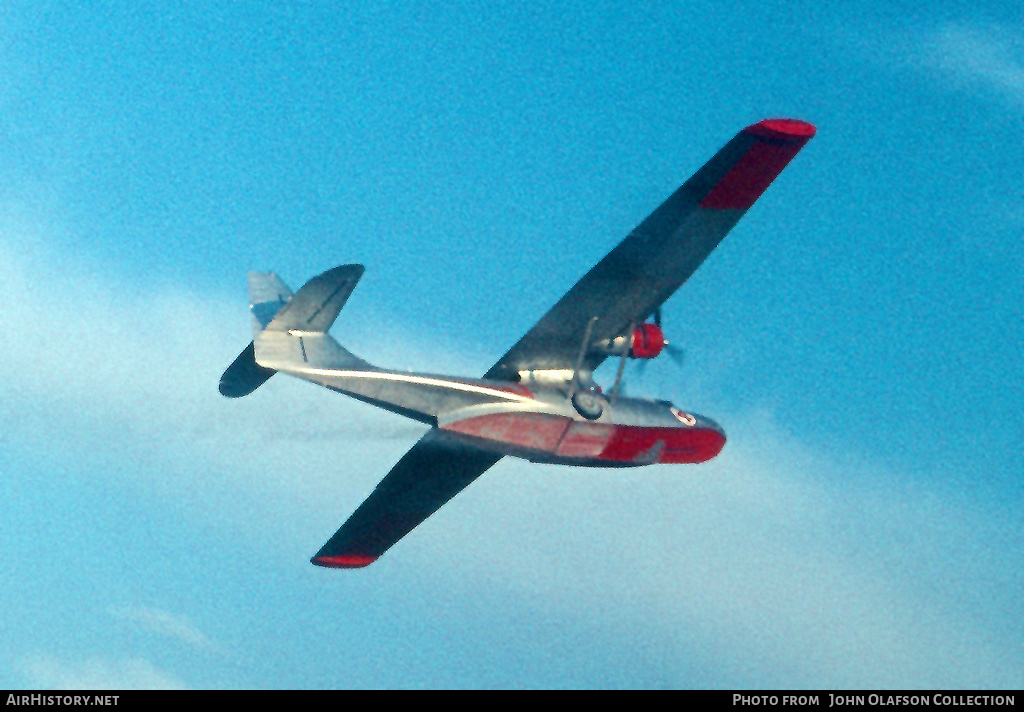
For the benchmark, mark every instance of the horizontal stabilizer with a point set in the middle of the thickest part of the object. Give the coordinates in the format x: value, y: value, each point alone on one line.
x: 244, y: 375
x: 298, y: 351
x: 315, y: 307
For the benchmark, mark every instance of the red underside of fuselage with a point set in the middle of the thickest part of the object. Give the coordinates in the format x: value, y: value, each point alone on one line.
x: 577, y: 442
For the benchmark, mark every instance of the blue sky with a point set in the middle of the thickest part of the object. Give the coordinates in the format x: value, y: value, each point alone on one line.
x: 858, y: 335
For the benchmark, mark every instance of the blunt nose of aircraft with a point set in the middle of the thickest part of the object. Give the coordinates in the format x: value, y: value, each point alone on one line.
x: 704, y: 438
x: 714, y: 438
x: 709, y: 440
x: 708, y: 423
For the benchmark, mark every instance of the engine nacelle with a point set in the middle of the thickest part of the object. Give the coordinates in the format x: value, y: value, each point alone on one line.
x: 647, y: 342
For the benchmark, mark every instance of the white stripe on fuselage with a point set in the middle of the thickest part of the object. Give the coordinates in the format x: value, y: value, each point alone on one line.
x: 420, y: 380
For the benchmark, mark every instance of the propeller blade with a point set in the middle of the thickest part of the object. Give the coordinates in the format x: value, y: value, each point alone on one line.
x: 676, y: 353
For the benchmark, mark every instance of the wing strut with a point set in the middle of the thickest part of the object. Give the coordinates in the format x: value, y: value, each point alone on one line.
x: 622, y: 362
x: 584, y: 348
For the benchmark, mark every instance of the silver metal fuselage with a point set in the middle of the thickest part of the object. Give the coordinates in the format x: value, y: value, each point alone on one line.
x: 538, y: 422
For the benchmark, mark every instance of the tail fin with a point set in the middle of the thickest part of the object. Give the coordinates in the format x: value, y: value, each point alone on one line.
x: 297, y: 336
x: 275, y: 309
x: 318, y: 303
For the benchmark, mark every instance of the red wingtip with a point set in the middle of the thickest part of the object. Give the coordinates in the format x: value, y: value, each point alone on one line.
x: 774, y: 143
x: 351, y: 561
x: 784, y: 129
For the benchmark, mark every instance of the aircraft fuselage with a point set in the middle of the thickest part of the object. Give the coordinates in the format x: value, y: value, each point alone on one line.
x: 538, y: 423
x: 631, y: 432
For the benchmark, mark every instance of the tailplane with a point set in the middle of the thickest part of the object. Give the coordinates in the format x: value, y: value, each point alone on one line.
x: 278, y: 313
x: 244, y: 375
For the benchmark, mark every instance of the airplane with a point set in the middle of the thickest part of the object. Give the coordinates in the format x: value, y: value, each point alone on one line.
x: 539, y: 402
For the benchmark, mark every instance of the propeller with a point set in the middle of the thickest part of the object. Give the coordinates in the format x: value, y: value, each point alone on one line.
x: 645, y: 342
x: 676, y: 353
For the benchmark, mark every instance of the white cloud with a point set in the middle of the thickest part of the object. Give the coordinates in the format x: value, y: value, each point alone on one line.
x: 988, y: 57
x: 968, y: 57
x: 135, y: 371
x: 96, y: 673
x: 165, y: 624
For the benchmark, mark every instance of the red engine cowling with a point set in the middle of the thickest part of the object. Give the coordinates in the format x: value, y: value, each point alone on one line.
x: 648, y: 341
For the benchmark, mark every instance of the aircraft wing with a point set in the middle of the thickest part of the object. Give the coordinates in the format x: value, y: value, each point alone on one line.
x: 624, y: 288
x: 647, y: 267
x: 436, y: 469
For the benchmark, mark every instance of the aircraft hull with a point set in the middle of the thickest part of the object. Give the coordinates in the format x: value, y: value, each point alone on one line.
x: 538, y: 423
x: 561, y: 439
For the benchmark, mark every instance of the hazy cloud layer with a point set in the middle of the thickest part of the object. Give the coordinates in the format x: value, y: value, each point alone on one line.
x: 165, y: 624
x: 96, y: 673
x: 988, y: 57
x: 808, y: 570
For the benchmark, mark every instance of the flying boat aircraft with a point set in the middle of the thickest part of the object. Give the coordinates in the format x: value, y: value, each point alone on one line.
x: 539, y: 401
